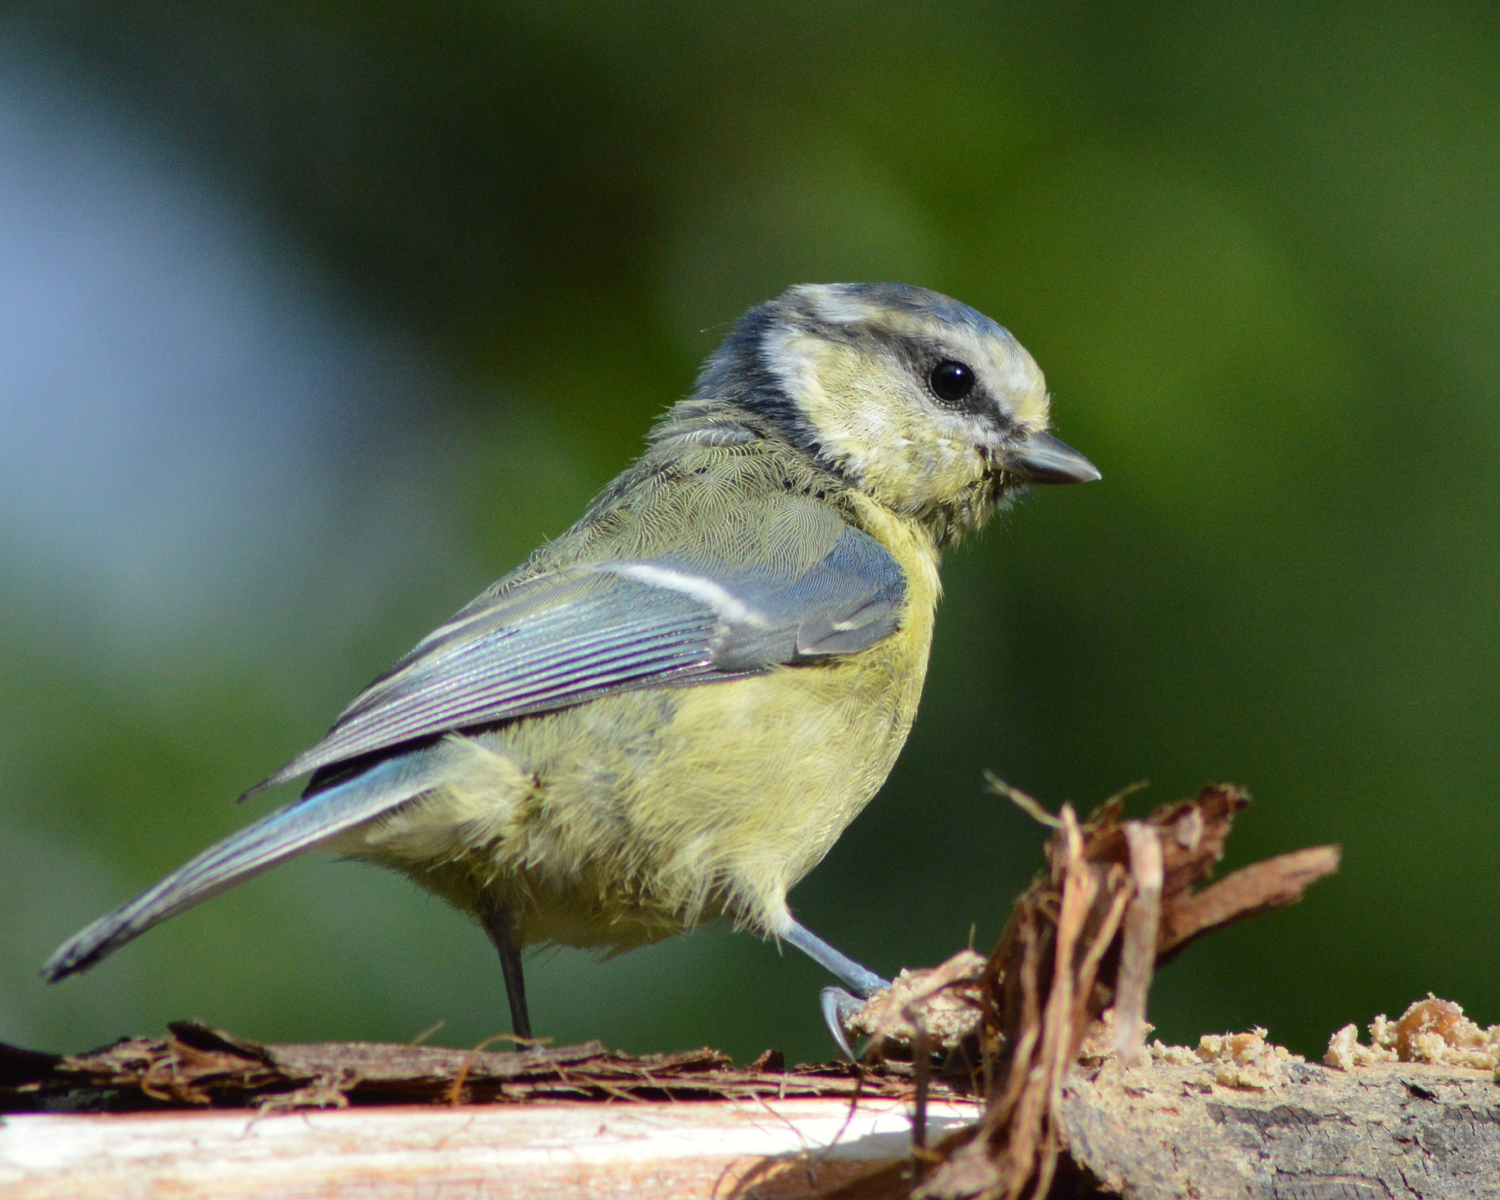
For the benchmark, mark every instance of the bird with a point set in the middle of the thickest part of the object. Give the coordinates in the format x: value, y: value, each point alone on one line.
x: 668, y: 715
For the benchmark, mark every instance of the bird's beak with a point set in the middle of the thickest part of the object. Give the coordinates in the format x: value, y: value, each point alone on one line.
x: 1041, y: 458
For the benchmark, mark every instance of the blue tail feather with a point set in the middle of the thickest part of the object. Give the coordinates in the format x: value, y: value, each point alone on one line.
x: 277, y: 836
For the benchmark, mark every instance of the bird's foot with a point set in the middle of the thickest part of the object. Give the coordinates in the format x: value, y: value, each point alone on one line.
x: 839, y: 1008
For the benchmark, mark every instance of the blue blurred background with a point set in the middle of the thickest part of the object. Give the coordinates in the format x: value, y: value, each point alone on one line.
x: 317, y: 317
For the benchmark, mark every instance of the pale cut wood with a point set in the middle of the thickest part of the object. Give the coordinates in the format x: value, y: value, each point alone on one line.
x: 675, y: 1151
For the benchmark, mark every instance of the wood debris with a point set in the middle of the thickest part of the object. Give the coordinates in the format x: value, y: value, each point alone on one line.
x: 1431, y: 1031
x: 196, y: 1065
x: 1242, y: 1060
x: 941, y: 1004
x: 1117, y: 899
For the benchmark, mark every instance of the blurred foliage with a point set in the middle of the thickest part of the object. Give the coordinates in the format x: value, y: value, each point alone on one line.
x: 1251, y: 245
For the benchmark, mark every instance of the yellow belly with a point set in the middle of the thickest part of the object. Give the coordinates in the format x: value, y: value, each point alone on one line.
x: 635, y: 816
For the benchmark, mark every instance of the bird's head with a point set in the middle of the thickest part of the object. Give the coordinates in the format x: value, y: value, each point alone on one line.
x: 921, y: 402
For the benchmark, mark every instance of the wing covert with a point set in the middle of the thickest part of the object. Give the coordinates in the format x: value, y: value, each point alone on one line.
x: 570, y: 635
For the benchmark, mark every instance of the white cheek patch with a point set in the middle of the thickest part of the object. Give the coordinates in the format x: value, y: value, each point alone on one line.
x: 873, y: 420
x: 801, y: 361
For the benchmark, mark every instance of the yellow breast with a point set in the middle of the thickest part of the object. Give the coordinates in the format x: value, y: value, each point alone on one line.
x: 627, y: 819
x: 755, y: 779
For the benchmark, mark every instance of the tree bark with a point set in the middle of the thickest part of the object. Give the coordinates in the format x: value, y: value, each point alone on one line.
x: 1389, y: 1130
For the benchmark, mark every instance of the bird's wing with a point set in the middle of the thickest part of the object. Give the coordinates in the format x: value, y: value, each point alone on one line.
x: 588, y: 630
x: 543, y: 643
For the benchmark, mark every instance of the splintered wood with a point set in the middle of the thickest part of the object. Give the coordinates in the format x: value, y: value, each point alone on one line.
x: 196, y: 1065
x: 1116, y: 899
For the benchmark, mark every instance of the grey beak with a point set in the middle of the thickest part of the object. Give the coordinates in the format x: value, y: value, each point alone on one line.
x: 1041, y: 458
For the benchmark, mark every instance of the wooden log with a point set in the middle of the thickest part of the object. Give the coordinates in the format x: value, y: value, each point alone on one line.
x: 1157, y: 1132
x: 1410, y: 1130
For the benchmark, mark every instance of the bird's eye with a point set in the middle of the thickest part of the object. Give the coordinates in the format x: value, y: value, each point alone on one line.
x: 951, y: 380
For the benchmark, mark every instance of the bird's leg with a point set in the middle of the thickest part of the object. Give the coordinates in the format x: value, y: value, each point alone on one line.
x: 845, y: 969
x: 501, y: 927
x: 837, y: 1004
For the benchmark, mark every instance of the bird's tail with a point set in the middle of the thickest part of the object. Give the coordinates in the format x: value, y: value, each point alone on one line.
x: 274, y: 838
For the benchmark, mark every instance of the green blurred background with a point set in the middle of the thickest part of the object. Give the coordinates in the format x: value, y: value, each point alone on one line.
x: 315, y: 317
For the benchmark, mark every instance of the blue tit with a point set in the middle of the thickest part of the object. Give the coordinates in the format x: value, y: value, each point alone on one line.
x: 669, y: 714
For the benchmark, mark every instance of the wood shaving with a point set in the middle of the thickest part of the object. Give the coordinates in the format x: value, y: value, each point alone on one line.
x: 1430, y: 1031
x: 1246, y: 1060
x: 942, y: 1001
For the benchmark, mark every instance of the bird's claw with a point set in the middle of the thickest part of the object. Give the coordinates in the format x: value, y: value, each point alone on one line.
x: 838, y: 1006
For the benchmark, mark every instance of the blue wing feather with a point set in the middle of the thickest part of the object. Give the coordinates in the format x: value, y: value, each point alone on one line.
x: 570, y: 635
